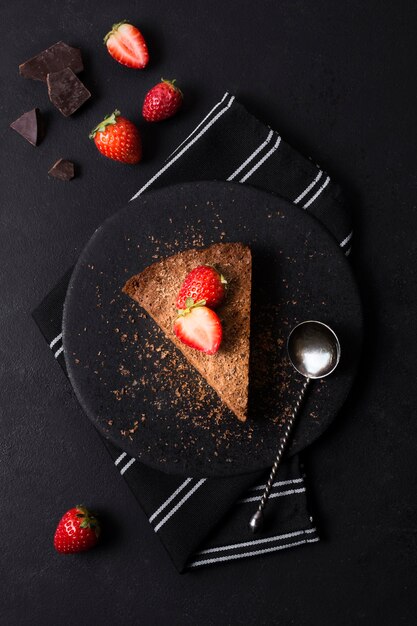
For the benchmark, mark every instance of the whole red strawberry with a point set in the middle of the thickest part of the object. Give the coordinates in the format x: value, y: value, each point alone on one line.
x: 202, y: 283
x: 77, y: 531
x: 126, y: 44
x: 162, y: 101
x: 118, y: 138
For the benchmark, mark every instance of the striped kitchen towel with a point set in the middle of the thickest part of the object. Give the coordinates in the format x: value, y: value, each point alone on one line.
x: 204, y: 521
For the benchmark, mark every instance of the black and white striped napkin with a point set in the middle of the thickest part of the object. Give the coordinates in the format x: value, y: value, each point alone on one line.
x: 205, y: 521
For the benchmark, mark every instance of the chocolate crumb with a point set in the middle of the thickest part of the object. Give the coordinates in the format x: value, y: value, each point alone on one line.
x: 62, y: 169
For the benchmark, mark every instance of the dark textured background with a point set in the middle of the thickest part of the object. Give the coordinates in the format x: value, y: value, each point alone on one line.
x: 338, y: 81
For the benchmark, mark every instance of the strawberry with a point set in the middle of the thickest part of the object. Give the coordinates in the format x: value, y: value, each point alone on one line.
x: 126, y: 44
x: 199, y: 327
x: 202, y: 283
x: 162, y: 101
x: 77, y: 531
x: 118, y: 138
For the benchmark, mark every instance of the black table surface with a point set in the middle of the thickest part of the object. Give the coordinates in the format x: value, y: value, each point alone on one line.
x: 337, y: 79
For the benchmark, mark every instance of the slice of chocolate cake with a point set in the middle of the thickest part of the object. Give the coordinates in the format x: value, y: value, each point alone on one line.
x: 156, y: 289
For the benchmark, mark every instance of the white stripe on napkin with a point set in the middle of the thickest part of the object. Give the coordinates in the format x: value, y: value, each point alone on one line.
x: 307, y: 189
x: 279, y: 483
x: 54, y: 341
x: 252, y: 156
x: 245, y: 544
x: 254, y: 543
x: 170, y: 499
x: 120, y: 458
x: 126, y: 467
x: 58, y: 352
x: 242, y: 555
x: 318, y: 192
x: 277, y: 494
x: 346, y: 240
x: 179, y: 505
x: 198, y: 126
x: 259, y: 163
x: 185, y: 148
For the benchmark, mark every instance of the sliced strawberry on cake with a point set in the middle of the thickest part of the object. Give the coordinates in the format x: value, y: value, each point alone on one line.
x: 199, y: 327
x: 180, y: 293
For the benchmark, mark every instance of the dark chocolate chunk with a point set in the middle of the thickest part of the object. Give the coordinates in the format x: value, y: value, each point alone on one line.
x: 31, y: 126
x: 62, y: 169
x: 66, y: 91
x: 55, y: 58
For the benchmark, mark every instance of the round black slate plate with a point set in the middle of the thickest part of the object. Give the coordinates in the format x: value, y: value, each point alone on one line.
x: 135, y: 385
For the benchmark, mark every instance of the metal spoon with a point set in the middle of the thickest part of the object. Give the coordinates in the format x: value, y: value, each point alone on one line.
x: 314, y: 351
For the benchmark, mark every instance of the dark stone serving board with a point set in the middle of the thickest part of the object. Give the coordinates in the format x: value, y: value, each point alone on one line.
x: 138, y: 389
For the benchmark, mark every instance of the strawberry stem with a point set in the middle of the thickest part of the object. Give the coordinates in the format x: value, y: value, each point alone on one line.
x: 88, y: 520
x: 114, y: 29
x: 108, y: 121
x: 171, y: 83
x: 190, y: 304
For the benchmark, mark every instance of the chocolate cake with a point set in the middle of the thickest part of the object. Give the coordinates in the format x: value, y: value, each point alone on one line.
x: 155, y: 289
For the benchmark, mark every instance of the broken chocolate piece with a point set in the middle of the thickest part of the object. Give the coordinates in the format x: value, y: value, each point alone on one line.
x: 62, y: 169
x: 31, y: 126
x: 57, y: 57
x: 66, y: 91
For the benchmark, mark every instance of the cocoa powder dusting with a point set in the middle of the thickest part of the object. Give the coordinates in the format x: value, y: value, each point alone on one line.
x: 162, y: 399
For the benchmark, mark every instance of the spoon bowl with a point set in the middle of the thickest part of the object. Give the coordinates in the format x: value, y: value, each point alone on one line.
x: 313, y: 349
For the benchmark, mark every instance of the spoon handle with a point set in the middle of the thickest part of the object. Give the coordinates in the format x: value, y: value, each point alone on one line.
x: 257, y: 519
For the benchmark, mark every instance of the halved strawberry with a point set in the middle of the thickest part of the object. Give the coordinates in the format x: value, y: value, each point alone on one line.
x: 199, y: 327
x: 127, y: 45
